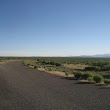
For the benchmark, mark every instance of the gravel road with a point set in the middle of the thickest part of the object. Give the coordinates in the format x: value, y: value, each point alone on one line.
x: 24, y: 88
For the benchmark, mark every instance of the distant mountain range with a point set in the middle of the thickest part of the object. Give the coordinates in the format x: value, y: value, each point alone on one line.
x: 94, y: 56
x: 102, y: 55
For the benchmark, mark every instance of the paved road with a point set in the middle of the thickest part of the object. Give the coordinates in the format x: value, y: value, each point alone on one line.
x: 23, y: 88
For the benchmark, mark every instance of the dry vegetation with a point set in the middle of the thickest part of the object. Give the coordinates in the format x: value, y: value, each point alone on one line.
x: 76, y: 66
x: 80, y: 68
x: 70, y: 67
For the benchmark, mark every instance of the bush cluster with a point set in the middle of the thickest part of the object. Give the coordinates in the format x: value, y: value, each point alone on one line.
x: 77, y: 75
x: 98, y: 78
x: 100, y: 66
x: 86, y: 75
x: 90, y: 79
x: 89, y: 76
x: 52, y: 63
x: 93, y: 68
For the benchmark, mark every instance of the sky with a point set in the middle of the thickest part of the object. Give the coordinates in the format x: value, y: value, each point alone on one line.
x: 54, y: 27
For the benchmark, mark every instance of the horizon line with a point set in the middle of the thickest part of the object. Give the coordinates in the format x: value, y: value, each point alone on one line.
x: 95, y: 55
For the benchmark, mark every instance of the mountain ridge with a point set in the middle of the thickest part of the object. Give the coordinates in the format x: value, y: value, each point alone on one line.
x: 94, y: 56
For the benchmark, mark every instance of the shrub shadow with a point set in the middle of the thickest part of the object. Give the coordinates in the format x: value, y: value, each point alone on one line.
x: 99, y: 85
x: 80, y: 82
x: 69, y: 78
x: 104, y: 87
x: 106, y: 76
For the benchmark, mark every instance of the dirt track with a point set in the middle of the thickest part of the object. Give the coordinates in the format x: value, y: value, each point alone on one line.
x: 23, y: 88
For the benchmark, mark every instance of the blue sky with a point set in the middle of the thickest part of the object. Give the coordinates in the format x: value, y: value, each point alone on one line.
x: 54, y: 27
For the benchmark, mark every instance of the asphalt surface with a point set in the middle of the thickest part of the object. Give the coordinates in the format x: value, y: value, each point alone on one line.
x: 24, y: 88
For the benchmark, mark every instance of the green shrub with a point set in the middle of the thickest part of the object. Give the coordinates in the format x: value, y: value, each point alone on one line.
x: 93, y: 68
x: 107, y: 81
x: 98, y: 78
x: 52, y: 63
x: 86, y: 75
x: 51, y: 69
x: 58, y: 64
x: 97, y: 68
x: 105, y: 68
x: 77, y: 75
x: 90, y: 79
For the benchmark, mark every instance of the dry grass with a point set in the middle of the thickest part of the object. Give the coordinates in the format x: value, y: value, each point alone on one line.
x: 53, y: 72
